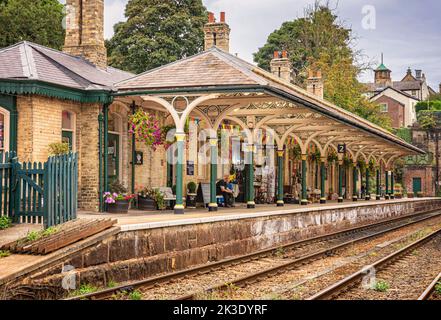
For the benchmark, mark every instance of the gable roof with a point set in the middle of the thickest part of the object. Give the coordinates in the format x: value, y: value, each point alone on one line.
x: 215, y: 70
x: 397, y: 91
x: 29, y: 61
x: 390, y: 98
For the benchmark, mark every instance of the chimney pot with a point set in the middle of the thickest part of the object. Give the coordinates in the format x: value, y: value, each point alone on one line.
x: 222, y: 17
x: 211, y: 17
x: 284, y: 54
x: 276, y: 54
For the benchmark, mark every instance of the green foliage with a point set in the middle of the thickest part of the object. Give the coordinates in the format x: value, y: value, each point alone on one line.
x: 438, y: 288
x: 84, y: 289
x: 156, y: 33
x: 111, y: 284
x: 404, y: 133
x: 381, y: 286
x: 5, y: 222
x: 135, y: 295
x: 37, y: 235
x: 4, y: 253
x: 145, y: 127
x: 192, y: 186
x: 39, y: 21
x: 319, y: 41
x: 58, y: 148
x: 431, y: 105
x: 426, y: 120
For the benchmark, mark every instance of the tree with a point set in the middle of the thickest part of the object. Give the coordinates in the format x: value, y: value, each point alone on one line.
x: 157, y: 32
x: 319, y: 41
x: 39, y: 21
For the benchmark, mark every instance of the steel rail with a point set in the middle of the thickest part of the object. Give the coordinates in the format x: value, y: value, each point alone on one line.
x: 157, y: 280
x: 430, y: 289
x: 340, y: 286
x: 269, y: 272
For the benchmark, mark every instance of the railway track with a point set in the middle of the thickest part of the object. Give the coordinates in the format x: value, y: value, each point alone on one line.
x: 431, y: 291
x: 406, y: 270
x: 363, y: 232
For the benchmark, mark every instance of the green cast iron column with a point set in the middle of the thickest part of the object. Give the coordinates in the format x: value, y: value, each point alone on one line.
x: 392, y: 182
x: 354, y: 183
x: 368, y: 195
x: 340, y: 181
x: 106, y: 146
x: 250, y: 176
x: 322, y: 180
x: 378, y: 195
x: 386, y: 192
x: 169, y: 167
x: 213, y: 174
x: 100, y: 161
x: 280, y: 170
x: 179, y: 206
x: 133, y: 153
x: 304, y: 201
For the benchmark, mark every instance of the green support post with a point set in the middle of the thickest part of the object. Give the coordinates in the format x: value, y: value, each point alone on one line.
x: 133, y: 153
x: 378, y: 195
x: 368, y: 195
x: 340, y: 181
x: 169, y: 167
x: 106, y: 147
x: 322, y: 181
x: 354, y: 182
x: 213, y: 174
x: 386, y: 192
x: 250, y: 176
x: 280, y: 154
x: 304, y: 201
x: 100, y: 161
x: 179, y: 206
x: 392, y: 182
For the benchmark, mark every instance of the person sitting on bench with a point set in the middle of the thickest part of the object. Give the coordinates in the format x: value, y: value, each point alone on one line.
x: 223, y: 190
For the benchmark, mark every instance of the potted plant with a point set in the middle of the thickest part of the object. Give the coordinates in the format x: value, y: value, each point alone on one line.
x: 420, y: 194
x: 191, y: 194
x: 117, y: 202
x: 398, y: 195
x: 146, y: 199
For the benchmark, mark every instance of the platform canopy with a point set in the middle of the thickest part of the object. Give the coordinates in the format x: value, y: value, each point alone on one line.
x: 218, y: 86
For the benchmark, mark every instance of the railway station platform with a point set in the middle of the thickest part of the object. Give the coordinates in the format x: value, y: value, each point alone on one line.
x: 145, y: 244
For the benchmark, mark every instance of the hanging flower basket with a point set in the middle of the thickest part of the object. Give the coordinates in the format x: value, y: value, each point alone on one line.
x: 145, y: 128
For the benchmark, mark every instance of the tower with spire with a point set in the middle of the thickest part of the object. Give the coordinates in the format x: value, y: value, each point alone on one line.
x: 383, y: 75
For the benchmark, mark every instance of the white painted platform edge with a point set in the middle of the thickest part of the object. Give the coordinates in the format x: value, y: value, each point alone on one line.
x: 217, y: 218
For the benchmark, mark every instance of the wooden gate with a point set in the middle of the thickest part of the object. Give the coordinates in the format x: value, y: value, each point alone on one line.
x: 39, y: 192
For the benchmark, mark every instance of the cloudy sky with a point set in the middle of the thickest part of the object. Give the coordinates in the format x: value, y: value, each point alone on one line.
x: 407, y: 31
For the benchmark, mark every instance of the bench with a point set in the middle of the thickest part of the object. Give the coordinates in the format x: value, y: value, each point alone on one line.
x: 169, y: 197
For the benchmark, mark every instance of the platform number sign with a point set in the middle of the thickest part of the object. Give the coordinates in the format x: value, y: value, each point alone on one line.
x: 341, y: 148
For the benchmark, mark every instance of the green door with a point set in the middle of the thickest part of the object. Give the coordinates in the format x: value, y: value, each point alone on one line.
x: 113, y: 157
x: 416, y: 185
x: 66, y: 137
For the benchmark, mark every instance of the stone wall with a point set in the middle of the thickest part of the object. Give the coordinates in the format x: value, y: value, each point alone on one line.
x: 143, y: 253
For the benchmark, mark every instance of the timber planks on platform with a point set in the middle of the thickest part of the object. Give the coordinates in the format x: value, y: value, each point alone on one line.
x: 70, y: 233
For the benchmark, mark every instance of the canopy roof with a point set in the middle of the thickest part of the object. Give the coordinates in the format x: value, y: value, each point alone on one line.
x: 216, y: 71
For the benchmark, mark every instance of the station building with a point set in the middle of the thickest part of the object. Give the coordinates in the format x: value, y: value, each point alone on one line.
x: 309, y: 148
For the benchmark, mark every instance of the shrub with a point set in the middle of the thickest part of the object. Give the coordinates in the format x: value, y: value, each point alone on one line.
x: 192, y: 186
x: 5, y: 222
x: 135, y: 295
x: 117, y: 187
x: 58, y: 148
x: 4, y: 254
x: 381, y: 286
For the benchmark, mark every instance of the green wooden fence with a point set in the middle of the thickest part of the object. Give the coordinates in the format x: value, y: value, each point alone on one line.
x: 39, y: 192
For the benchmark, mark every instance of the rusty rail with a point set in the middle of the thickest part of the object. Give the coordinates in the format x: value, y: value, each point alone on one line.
x: 430, y: 289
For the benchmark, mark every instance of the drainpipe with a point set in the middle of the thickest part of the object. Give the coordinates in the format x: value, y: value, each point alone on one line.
x: 100, y: 161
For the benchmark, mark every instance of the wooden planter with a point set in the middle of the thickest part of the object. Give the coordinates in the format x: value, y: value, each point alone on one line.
x: 120, y: 206
x: 145, y: 203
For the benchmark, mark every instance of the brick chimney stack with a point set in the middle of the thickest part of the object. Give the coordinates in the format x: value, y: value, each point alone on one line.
x: 314, y: 83
x: 217, y: 34
x: 85, y: 31
x: 281, y: 66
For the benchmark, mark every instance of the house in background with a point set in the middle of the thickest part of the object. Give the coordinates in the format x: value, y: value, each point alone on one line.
x: 398, y: 98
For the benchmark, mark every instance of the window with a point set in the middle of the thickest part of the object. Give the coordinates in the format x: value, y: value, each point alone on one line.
x: 68, y: 129
x: 4, y: 130
x: 383, y: 107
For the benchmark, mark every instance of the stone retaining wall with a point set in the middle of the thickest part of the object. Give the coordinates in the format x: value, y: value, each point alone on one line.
x: 144, y: 253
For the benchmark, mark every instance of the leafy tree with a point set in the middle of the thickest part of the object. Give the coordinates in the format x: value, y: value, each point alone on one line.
x: 157, y: 32
x: 39, y: 21
x: 319, y: 41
